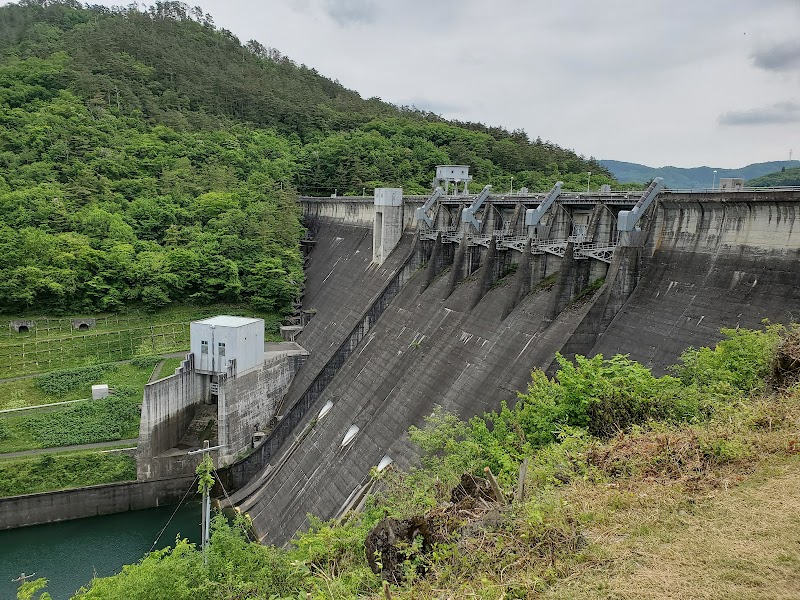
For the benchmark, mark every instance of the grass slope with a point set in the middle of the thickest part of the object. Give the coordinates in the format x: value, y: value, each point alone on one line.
x: 86, y: 422
x: 47, y: 472
x: 740, y: 542
x: 21, y: 393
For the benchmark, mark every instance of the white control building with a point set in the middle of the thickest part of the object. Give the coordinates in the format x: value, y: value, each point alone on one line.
x: 227, y: 345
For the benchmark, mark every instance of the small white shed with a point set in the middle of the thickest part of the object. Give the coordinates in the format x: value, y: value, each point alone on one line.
x: 226, y: 344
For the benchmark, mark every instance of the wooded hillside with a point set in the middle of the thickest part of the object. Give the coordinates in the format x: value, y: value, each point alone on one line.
x: 782, y: 178
x: 147, y: 157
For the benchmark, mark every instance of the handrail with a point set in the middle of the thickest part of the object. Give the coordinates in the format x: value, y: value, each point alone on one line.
x: 787, y: 188
x: 564, y: 194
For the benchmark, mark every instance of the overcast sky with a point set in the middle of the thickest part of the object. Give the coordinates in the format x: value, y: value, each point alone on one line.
x: 660, y: 82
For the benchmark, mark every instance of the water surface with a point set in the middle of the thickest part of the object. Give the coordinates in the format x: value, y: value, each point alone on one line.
x: 70, y: 553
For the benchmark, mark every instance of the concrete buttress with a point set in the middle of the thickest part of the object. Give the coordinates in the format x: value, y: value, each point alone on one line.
x: 457, y: 270
x: 522, y: 281
x: 487, y: 274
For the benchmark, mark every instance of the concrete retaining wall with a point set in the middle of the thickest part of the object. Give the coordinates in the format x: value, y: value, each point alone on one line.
x: 49, y: 507
x: 319, y: 375
x: 248, y: 402
x: 167, y: 409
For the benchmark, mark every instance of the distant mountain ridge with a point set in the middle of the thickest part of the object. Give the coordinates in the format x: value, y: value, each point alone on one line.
x: 693, y: 177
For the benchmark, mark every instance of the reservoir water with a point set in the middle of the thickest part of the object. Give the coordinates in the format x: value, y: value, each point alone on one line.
x: 70, y: 553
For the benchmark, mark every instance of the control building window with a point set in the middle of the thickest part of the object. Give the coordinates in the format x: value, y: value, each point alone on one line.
x: 221, y: 349
x: 203, y: 347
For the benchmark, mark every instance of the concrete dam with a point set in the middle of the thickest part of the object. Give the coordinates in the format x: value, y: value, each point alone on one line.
x: 453, y: 300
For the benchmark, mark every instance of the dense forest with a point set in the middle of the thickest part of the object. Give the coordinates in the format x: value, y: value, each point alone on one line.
x: 147, y: 157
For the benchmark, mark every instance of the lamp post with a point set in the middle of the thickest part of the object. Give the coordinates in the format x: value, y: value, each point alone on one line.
x: 588, y: 179
x: 511, y: 191
x: 714, y: 180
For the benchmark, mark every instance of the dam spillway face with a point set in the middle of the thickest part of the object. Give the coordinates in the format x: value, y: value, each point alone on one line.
x: 467, y: 340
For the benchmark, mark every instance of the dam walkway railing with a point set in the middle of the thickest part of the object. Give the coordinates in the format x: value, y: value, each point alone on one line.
x: 602, y: 251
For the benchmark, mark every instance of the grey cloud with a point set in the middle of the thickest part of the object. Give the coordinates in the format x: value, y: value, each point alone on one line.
x: 784, y: 56
x: 352, y: 12
x: 782, y: 112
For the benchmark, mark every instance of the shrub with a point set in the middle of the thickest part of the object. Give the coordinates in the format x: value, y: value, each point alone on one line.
x: 143, y: 362
x: 739, y: 363
x: 235, y: 568
x: 608, y: 396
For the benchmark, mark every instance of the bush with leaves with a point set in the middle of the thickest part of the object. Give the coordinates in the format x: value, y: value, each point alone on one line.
x: 608, y: 396
x: 143, y: 362
x: 236, y: 568
x: 29, y: 589
x: 737, y: 365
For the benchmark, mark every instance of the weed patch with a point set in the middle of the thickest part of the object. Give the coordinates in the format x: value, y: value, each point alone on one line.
x: 47, y: 472
x: 60, y: 382
x: 87, y: 422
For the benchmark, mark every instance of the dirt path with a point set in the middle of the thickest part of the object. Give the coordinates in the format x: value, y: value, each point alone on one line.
x: 155, y: 375
x: 126, y: 443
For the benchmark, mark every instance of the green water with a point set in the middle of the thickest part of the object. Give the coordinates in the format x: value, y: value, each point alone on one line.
x: 69, y: 554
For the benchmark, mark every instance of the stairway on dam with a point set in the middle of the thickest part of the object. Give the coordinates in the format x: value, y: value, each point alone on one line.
x: 703, y: 263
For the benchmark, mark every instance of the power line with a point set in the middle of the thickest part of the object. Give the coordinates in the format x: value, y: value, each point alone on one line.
x: 163, y: 529
x: 227, y: 496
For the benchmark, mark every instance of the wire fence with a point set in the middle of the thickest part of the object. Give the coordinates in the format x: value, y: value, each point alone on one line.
x: 48, y: 327
x: 30, y: 354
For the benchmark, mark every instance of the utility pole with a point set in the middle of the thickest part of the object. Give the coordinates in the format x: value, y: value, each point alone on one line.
x: 205, y: 482
x: 588, y: 179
